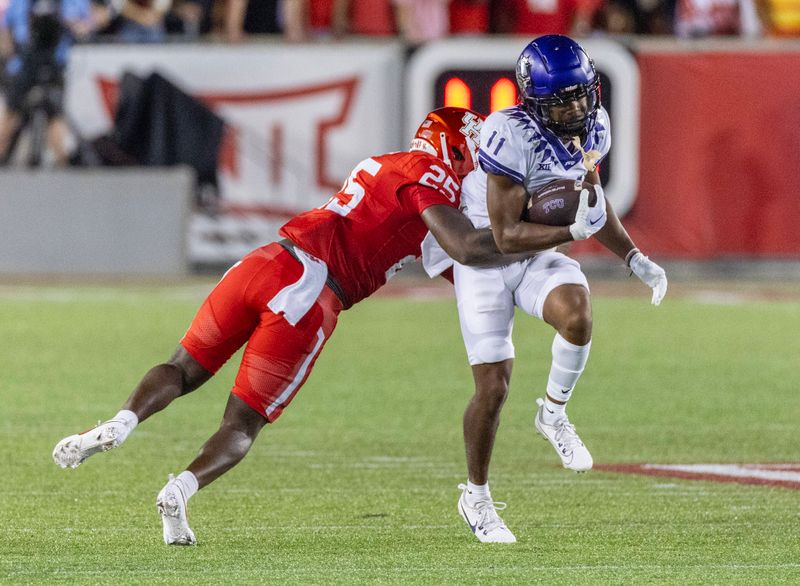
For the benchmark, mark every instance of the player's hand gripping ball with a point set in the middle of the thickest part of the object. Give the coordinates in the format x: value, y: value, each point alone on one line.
x: 555, y: 204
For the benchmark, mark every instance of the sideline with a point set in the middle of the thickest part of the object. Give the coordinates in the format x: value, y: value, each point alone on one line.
x: 413, y: 287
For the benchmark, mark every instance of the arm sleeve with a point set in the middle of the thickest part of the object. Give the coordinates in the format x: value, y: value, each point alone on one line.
x: 500, y: 152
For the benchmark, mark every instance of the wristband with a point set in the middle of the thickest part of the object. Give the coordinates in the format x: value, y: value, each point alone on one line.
x: 631, y: 253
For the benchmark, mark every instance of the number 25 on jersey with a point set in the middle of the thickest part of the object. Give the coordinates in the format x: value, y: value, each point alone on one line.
x: 352, y: 191
x: 441, y: 181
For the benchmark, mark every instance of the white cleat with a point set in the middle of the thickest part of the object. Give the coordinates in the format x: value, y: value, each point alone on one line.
x: 562, y: 436
x: 171, y: 505
x: 483, y: 519
x: 72, y: 450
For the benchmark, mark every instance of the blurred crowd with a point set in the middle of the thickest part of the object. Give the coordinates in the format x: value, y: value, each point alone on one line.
x: 35, y: 35
x: 415, y: 21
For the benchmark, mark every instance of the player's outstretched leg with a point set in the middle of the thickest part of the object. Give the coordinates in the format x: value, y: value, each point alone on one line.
x: 71, y: 451
x: 223, y: 450
x: 480, y: 513
x: 568, y: 309
x: 158, y: 388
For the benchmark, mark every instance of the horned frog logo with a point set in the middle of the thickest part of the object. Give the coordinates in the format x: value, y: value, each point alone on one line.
x: 523, y: 71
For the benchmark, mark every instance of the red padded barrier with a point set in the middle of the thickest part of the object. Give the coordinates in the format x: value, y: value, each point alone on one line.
x: 719, y: 156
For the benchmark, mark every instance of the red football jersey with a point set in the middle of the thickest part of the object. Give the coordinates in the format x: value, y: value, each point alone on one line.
x: 372, y: 227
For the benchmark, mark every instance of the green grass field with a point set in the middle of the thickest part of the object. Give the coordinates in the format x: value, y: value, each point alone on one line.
x: 356, y: 483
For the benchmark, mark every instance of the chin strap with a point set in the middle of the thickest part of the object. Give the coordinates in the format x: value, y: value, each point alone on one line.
x: 445, y: 150
x: 589, y: 159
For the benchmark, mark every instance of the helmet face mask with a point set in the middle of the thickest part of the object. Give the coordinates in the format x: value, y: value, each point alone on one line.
x: 452, y: 134
x: 554, y: 71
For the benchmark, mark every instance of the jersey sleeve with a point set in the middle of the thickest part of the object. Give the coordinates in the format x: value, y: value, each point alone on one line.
x: 416, y: 198
x: 602, y: 133
x: 500, y: 152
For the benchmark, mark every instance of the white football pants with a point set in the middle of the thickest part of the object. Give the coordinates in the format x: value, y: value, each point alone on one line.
x: 487, y: 297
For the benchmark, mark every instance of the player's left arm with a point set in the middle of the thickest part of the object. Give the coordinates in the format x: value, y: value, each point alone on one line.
x: 616, y: 239
x: 464, y: 243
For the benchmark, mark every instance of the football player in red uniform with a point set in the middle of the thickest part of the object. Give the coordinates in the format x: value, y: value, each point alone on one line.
x: 283, y: 300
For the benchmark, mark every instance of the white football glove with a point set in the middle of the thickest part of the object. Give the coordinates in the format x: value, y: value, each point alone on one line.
x: 651, y: 275
x: 589, y: 219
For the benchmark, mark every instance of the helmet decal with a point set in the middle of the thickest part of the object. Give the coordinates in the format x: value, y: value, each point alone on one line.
x: 472, y: 133
x: 419, y: 144
x: 453, y: 135
x: 523, y: 73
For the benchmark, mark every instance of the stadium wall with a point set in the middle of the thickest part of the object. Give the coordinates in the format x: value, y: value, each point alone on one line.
x: 718, y: 135
x: 704, y: 133
x: 717, y: 132
x: 95, y: 222
x: 298, y: 118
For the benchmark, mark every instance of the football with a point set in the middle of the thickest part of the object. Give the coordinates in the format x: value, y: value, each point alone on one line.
x: 555, y: 204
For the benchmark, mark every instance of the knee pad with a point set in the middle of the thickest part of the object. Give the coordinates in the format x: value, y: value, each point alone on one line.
x: 491, y: 350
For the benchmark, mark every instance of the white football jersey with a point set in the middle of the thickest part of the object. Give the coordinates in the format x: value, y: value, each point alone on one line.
x: 514, y: 145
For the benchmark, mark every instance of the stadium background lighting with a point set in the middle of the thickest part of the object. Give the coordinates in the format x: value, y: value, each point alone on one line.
x: 502, y: 93
x: 457, y: 93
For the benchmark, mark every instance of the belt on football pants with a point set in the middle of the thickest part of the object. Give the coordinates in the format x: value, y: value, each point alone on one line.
x: 331, y: 282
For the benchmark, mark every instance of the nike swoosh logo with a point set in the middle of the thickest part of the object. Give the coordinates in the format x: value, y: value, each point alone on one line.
x: 593, y: 223
x: 463, y: 512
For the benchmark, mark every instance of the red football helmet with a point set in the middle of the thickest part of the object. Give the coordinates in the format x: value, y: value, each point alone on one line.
x: 452, y: 134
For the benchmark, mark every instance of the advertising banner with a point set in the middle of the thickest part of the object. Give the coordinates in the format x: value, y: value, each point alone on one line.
x: 297, y: 119
x: 703, y: 135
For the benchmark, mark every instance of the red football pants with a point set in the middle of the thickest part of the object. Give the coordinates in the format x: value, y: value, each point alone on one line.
x: 278, y: 357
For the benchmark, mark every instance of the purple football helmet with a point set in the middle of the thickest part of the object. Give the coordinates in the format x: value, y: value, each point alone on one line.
x: 554, y: 70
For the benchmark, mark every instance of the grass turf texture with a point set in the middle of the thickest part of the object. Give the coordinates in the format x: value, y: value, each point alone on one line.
x: 356, y: 483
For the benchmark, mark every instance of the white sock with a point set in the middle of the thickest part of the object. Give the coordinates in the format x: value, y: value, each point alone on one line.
x: 568, y: 363
x: 188, y: 483
x: 552, y: 410
x: 129, y: 419
x: 477, y: 492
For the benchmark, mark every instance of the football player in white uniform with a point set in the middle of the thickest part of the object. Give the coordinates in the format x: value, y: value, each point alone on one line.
x: 558, y: 131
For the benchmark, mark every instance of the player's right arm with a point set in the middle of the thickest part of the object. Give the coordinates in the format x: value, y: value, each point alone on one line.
x: 503, y: 157
x: 464, y: 243
x: 505, y: 200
